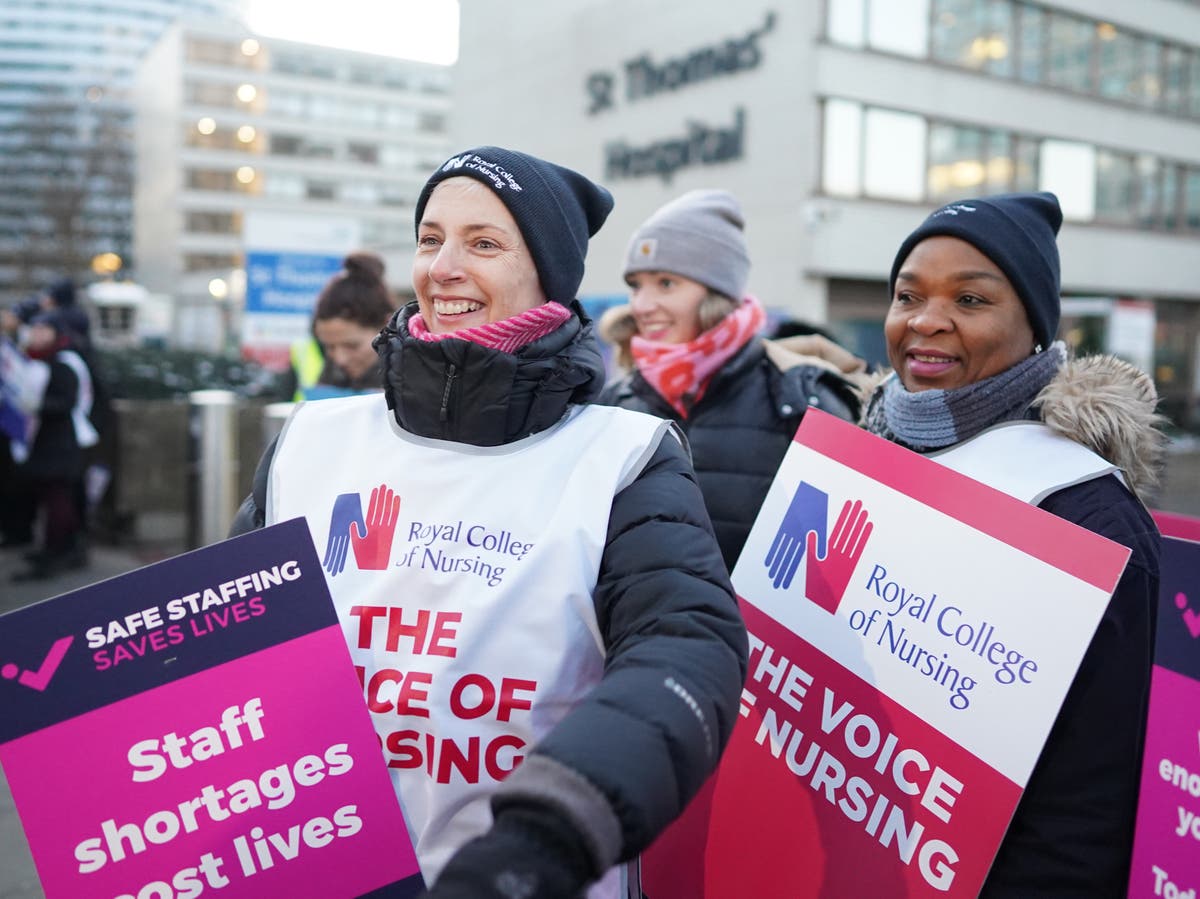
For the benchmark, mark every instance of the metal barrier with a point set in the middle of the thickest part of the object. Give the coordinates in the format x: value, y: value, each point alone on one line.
x: 212, y: 465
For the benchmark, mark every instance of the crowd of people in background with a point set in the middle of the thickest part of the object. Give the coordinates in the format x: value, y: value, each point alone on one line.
x: 641, y: 484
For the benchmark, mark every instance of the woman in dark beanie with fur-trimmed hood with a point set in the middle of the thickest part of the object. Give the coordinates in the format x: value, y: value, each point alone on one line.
x: 692, y: 335
x: 563, y: 545
x: 971, y: 338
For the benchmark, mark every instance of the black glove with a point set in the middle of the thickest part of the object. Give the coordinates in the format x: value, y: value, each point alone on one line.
x: 530, y: 853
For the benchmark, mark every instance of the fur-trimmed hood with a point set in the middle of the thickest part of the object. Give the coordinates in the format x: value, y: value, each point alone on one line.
x: 1107, y: 405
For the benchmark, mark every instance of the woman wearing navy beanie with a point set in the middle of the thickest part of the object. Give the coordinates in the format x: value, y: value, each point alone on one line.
x: 971, y: 338
x: 566, y: 542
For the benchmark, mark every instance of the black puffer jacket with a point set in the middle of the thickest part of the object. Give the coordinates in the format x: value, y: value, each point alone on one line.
x: 740, y: 429
x: 55, y: 453
x: 622, y: 764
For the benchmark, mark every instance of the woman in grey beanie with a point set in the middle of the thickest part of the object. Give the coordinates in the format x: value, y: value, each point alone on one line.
x: 697, y: 359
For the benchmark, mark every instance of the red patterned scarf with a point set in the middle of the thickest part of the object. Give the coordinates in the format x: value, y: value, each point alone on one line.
x: 680, y: 372
x: 507, y: 335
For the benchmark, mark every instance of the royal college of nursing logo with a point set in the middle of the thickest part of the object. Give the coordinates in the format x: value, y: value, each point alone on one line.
x: 370, y: 538
x: 832, y: 555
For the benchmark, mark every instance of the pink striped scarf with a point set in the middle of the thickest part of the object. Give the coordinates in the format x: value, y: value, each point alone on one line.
x: 507, y: 335
x: 680, y: 372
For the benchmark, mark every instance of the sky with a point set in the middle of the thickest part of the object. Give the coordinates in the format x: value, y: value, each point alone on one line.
x: 415, y: 29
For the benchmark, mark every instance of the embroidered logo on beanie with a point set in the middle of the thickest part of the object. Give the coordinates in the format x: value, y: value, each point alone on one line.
x: 500, y: 178
x: 645, y: 249
x: 555, y: 209
x: 1015, y: 231
x: 697, y: 235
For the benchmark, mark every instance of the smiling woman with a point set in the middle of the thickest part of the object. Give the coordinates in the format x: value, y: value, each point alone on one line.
x: 573, y: 583
x: 970, y: 333
x: 423, y: 31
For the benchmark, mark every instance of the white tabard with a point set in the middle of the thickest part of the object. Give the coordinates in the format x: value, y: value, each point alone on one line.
x: 470, y: 621
x: 1025, y: 459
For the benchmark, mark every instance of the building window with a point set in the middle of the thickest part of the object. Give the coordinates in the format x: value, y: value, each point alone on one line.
x: 888, y: 154
x: 209, y: 179
x: 202, y: 94
x: 1170, y: 197
x: 1025, y: 40
x: 214, y: 222
x: 286, y: 145
x: 1068, y: 169
x: 1194, y: 82
x: 899, y: 26
x: 1191, y: 199
x: 893, y: 155
x: 284, y: 186
x: 1115, y: 187
x: 975, y: 34
x: 1025, y: 160
x: 841, y: 155
x: 431, y: 121
x: 363, y: 193
x: 1149, y: 198
x: 1119, y: 64
x: 1031, y: 43
x: 1175, y: 79
x: 365, y: 153
x: 968, y: 161
x: 320, y: 190
x: 199, y: 262
x: 1069, y: 61
x: 845, y: 22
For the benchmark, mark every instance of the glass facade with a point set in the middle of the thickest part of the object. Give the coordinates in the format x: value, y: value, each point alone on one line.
x: 889, y: 154
x: 1029, y: 42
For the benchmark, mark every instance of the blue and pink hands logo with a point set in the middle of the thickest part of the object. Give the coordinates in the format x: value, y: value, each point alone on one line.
x: 831, y: 561
x: 371, y: 538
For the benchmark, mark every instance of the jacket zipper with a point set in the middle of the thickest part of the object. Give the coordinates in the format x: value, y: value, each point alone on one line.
x: 451, y: 373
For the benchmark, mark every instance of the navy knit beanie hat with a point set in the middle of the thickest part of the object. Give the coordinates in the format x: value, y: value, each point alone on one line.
x: 1017, y: 232
x: 556, y: 209
x: 62, y: 291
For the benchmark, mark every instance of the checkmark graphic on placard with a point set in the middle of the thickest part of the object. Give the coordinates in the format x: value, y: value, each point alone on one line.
x: 39, y: 679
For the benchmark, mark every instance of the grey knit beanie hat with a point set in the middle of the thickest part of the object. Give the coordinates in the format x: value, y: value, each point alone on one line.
x: 699, y: 236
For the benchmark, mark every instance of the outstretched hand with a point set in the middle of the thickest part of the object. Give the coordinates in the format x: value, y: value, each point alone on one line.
x: 806, y: 517
x: 373, y: 548
x: 826, y: 577
x: 347, y: 512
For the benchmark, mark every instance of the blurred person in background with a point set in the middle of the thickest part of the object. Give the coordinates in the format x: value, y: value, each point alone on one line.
x: 691, y: 333
x: 338, y: 360
x: 54, y: 468
x: 612, y: 609
x: 60, y: 297
x: 17, y: 506
x: 971, y: 337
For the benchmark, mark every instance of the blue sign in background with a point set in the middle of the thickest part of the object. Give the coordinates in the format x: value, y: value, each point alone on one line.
x: 287, y: 282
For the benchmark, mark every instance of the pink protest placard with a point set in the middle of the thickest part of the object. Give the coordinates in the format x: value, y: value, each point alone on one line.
x: 197, y: 726
x: 905, y: 670
x: 1166, y: 846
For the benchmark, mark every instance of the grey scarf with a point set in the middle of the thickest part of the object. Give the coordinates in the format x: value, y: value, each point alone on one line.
x: 932, y: 419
